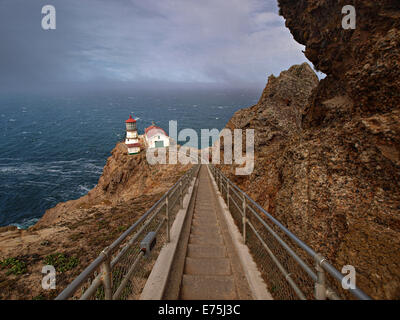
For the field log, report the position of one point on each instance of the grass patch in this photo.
(14, 266)
(122, 228)
(61, 262)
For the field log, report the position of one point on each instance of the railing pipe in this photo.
(320, 284)
(227, 194)
(167, 217)
(287, 275)
(87, 273)
(70, 290)
(325, 265)
(291, 252)
(107, 275)
(244, 219)
(126, 278)
(181, 193)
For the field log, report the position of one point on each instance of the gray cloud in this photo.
(229, 42)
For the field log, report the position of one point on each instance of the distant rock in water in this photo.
(327, 160)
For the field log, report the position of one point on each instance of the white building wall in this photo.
(131, 134)
(130, 141)
(133, 150)
(152, 141)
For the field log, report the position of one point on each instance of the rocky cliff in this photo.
(73, 233)
(327, 154)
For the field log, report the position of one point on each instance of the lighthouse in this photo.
(131, 140)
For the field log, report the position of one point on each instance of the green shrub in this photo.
(14, 266)
(61, 262)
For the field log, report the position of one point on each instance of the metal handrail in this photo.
(104, 259)
(322, 290)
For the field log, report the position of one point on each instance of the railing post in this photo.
(320, 284)
(107, 275)
(227, 193)
(181, 191)
(167, 216)
(244, 218)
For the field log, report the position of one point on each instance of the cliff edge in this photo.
(72, 234)
(327, 160)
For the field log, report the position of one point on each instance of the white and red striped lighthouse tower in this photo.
(131, 140)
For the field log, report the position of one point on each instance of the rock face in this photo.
(276, 118)
(82, 228)
(124, 178)
(330, 169)
(363, 62)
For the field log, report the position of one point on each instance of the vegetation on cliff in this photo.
(72, 234)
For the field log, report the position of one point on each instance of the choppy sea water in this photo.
(53, 148)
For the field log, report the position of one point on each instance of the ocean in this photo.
(53, 147)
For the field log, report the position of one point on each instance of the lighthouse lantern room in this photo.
(131, 140)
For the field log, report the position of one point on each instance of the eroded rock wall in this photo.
(82, 228)
(334, 178)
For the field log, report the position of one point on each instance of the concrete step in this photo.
(204, 222)
(205, 228)
(196, 239)
(205, 233)
(204, 202)
(206, 251)
(205, 217)
(196, 287)
(208, 266)
(204, 213)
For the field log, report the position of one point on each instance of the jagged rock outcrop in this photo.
(334, 179)
(82, 228)
(124, 178)
(276, 118)
(362, 63)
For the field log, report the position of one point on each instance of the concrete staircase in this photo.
(208, 270)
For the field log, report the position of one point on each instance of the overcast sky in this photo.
(102, 42)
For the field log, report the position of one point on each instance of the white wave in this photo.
(40, 183)
(26, 223)
(84, 189)
(23, 169)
